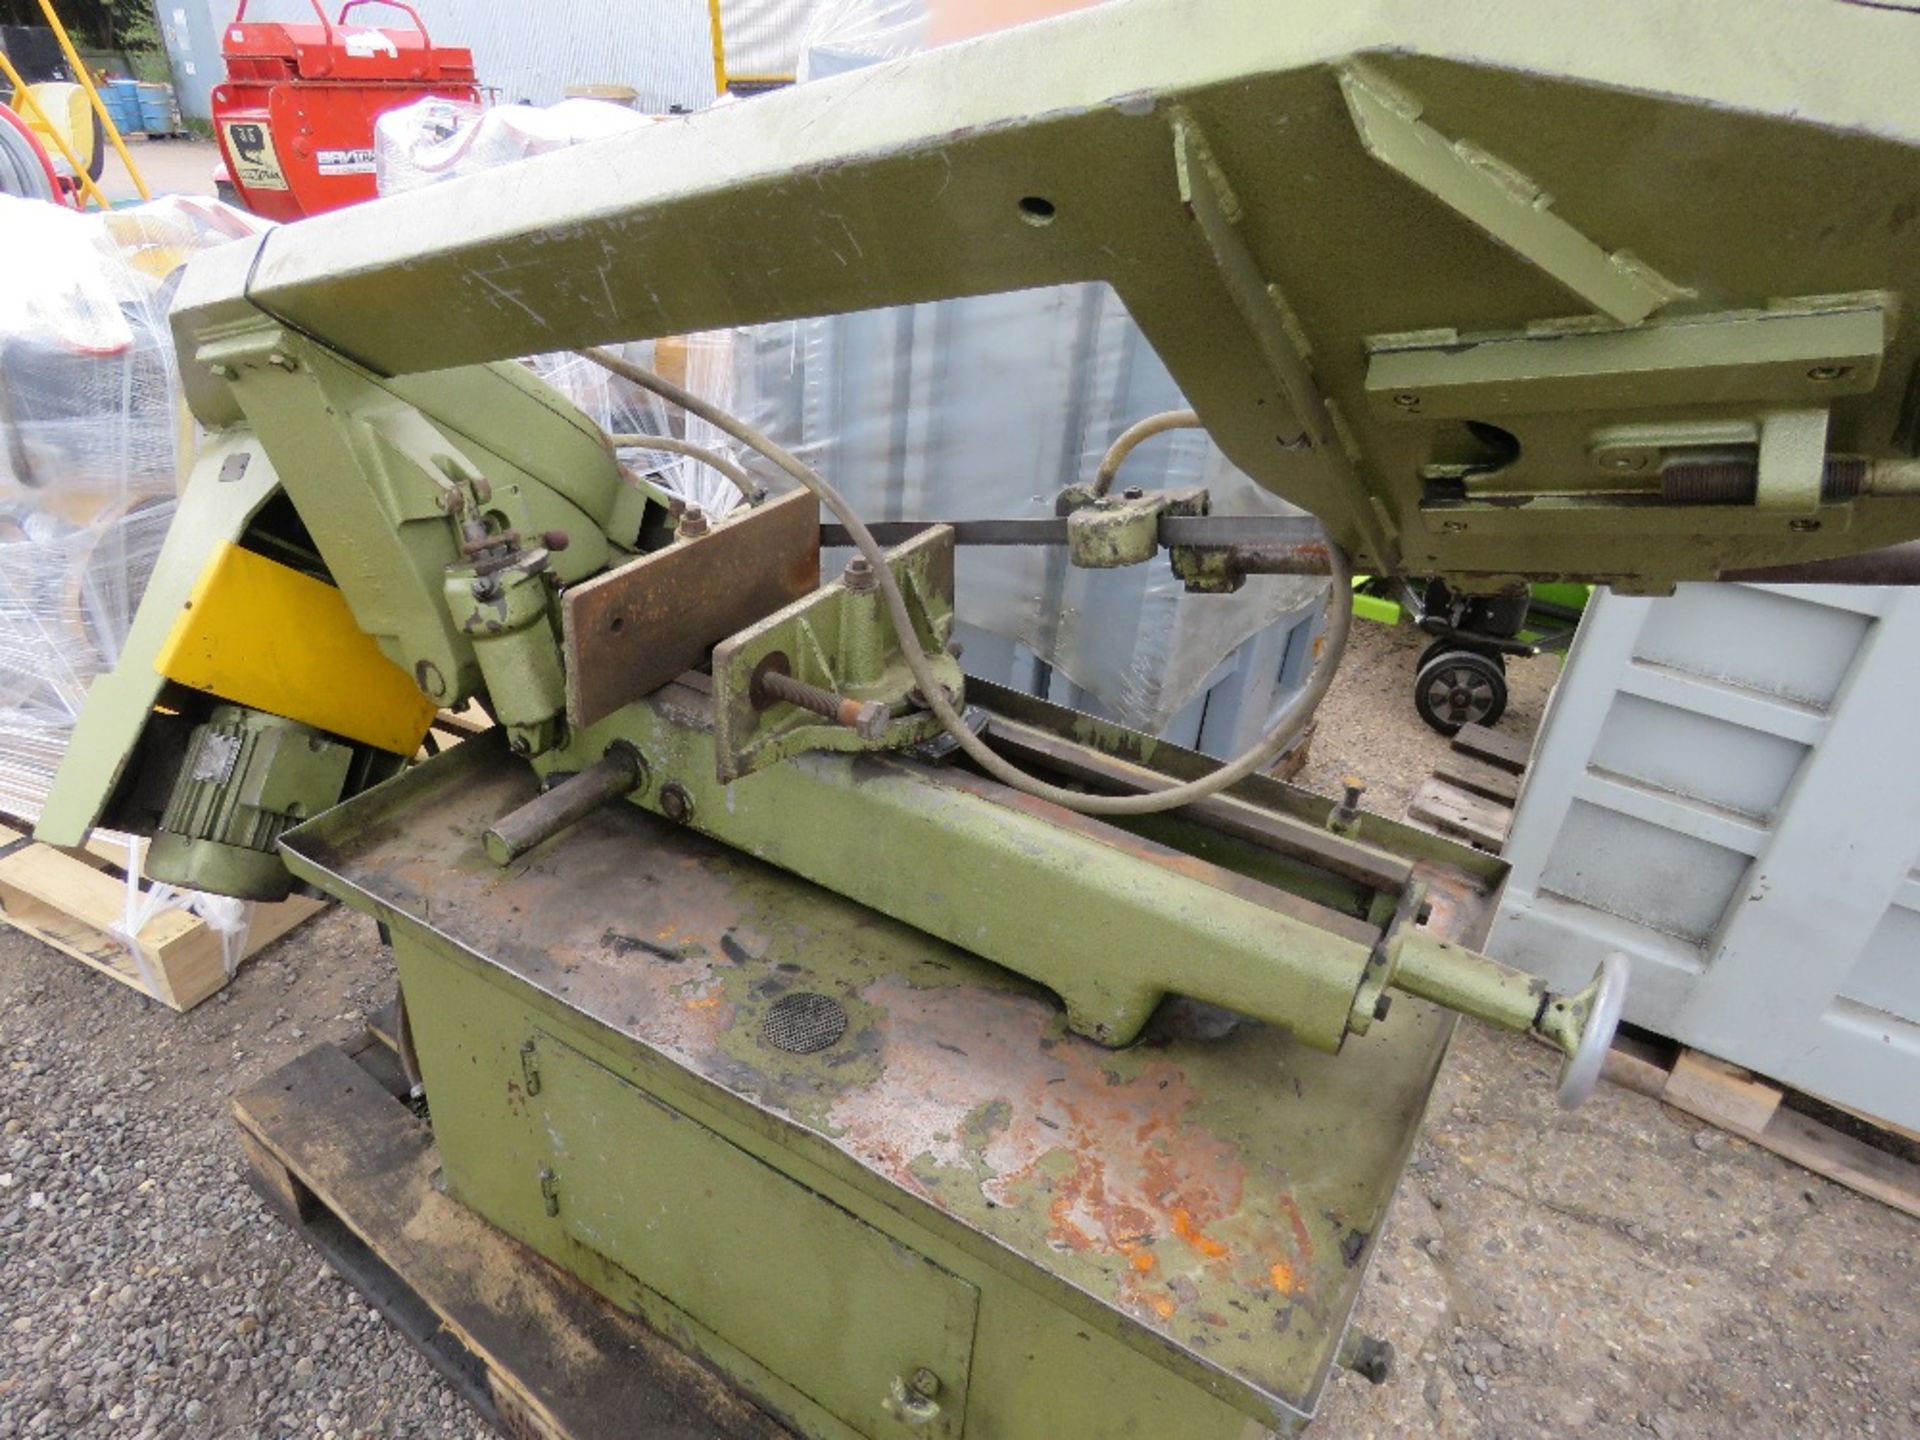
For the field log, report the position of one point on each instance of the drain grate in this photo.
(803, 1022)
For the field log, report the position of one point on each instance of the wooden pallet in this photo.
(74, 899)
(1749, 1105)
(351, 1168)
(1471, 794)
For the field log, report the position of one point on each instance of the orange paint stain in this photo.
(1142, 1261)
(1184, 1227)
(705, 1002)
(1282, 1276)
(1162, 1306)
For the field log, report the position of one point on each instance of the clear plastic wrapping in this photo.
(851, 34)
(623, 409)
(91, 434)
(435, 139)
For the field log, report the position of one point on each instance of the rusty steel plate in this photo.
(628, 632)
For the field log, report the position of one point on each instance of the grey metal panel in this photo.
(1641, 871)
(1772, 643)
(1727, 788)
(1886, 977)
(190, 31)
(1683, 751)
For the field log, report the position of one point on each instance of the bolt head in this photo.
(926, 1383)
(676, 804)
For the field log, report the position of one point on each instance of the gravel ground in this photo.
(1368, 727)
(146, 1291)
(1621, 1272)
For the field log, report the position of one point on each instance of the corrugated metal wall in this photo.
(533, 49)
(762, 37)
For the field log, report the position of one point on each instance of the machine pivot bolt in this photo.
(693, 524)
(859, 576)
(1344, 819)
(675, 803)
(925, 1383)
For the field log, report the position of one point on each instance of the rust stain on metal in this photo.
(1115, 1163)
(628, 632)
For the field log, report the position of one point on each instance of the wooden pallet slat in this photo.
(1479, 777)
(73, 901)
(1480, 822)
(1749, 1106)
(1509, 752)
(352, 1169)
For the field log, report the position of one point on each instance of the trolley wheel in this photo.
(1435, 648)
(1455, 687)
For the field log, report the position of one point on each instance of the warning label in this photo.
(251, 157)
(345, 162)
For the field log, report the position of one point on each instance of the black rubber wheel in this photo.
(1455, 687)
(1434, 648)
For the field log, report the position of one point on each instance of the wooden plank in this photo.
(1843, 1159)
(1725, 1094)
(1478, 777)
(1454, 812)
(1507, 751)
(1746, 1105)
(70, 900)
(1635, 1064)
(561, 1362)
(1881, 1122)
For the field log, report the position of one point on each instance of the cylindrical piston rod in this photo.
(619, 772)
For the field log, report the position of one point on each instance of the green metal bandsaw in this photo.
(933, 1062)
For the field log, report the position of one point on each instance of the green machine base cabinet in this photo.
(869, 1177)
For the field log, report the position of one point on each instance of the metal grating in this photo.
(804, 1022)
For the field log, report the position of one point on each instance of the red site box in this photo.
(295, 115)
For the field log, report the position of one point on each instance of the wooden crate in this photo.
(74, 899)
